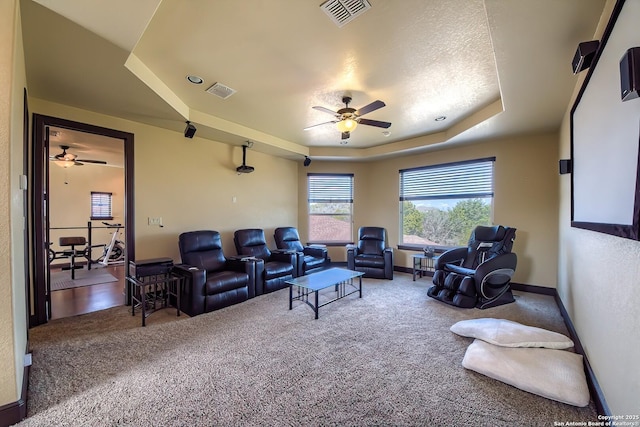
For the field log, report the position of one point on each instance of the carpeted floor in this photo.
(61, 279)
(387, 359)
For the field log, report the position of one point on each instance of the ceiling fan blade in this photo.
(346, 135)
(376, 123)
(98, 162)
(369, 108)
(326, 110)
(320, 124)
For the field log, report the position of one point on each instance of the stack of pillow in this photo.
(529, 358)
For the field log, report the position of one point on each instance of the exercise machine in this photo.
(114, 251)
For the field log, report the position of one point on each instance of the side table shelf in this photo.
(423, 264)
(153, 286)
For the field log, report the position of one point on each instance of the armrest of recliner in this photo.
(388, 263)
(387, 254)
(316, 252)
(455, 268)
(192, 297)
(245, 265)
(298, 263)
(352, 251)
(284, 255)
(452, 256)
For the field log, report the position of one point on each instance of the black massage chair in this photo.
(478, 275)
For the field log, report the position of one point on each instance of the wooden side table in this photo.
(423, 264)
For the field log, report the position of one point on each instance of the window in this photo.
(100, 205)
(330, 208)
(440, 205)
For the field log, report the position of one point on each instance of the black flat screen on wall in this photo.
(605, 137)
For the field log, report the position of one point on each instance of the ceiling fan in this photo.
(346, 119)
(66, 160)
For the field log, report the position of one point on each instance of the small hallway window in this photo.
(100, 205)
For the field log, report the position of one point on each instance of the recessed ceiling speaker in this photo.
(584, 55)
(565, 166)
(190, 130)
(630, 74)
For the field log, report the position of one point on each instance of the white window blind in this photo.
(324, 188)
(330, 201)
(101, 205)
(441, 204)
(468, 179)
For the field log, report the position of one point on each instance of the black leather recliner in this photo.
(309, 258)
(478, 275)
(279, 266)
(212, 281)
(371, 255)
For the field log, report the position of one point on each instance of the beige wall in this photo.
(526, 197)
(598, 285)
(13, 333)
(70, 202)
(192, 183)
(596, 278)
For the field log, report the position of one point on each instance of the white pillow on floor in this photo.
(554, 374)
(507, 333)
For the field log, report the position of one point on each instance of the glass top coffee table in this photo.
(340, 278)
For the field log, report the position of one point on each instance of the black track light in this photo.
(307, 161)
(190, 130)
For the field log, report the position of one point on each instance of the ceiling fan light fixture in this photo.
(346, 125)
(65, 163)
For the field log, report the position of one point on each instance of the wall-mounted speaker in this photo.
(584, 55)
(565, 166)
(630, 74)
(189, 131)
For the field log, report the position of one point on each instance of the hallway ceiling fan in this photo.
(66, 160)
(347, 118)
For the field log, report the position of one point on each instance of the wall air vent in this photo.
(342, 12)
(220, 90)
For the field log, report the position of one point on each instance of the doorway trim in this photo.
(40, 193)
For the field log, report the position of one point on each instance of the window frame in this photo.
(438, 195)
(333, 198)
(95, 209)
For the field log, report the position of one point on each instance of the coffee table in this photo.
(340, 278)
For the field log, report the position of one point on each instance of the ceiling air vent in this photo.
(344, 11)
(221, 90)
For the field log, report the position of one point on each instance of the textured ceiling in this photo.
(493, 68)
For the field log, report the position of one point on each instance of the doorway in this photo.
(86, 147)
